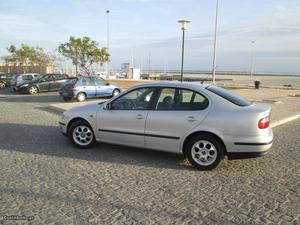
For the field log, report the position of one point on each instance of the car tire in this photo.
(81, 97)
(2, 85)
(115, 92)
(204, 151)
(67, 99)
(33, 90)
(81, 134)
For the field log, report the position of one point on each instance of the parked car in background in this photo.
(202, 122)
(6, 80)
(23, 78)
(48, 82)
(84, 87)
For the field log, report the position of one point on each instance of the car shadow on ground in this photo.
(45, 97)
(48, 140)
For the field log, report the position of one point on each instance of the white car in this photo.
(203, 122)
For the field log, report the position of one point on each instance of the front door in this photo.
(44, 83)
(102, 88)
(124, 122)
(176, 112)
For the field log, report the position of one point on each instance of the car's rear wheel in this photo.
(81, 134)
(2, 85)
(33, 90)
(204, 151)
(81, 97)
(115, 92)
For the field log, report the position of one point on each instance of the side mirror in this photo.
(108, 106)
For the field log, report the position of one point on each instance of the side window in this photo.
(100, 81)
(134, 100)
(48, 78)
(199, 102)
(166, 99)
(181, 99)
(27, 77)
(87, 81)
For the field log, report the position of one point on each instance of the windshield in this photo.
(233, 98)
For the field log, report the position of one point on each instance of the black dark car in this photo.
(6, 80)
(48, 82)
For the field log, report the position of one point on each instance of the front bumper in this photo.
(63, 128)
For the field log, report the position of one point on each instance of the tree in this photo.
(83, 52)
(27, 56)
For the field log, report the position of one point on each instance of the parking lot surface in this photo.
(47, 179)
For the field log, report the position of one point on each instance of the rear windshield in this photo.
(71, 81)
(233, 98)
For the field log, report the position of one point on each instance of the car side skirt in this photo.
(139, 134)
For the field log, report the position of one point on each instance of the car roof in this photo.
(174, 84)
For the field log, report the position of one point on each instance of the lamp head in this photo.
(183, 23)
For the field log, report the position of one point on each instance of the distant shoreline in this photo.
(225, 73)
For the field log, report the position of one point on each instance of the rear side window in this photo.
(180, 99)
(233, 98)
(87, 81)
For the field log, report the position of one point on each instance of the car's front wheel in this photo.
(33, 90)
(81, 134)
(204, 151)
(2, 85)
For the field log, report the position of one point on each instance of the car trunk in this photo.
(256, 118)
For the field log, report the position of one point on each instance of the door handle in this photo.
(139, 116)
(191, 119)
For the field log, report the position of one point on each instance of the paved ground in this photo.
(43, 176)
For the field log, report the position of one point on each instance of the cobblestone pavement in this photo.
(44, 176)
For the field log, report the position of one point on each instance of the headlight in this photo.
(24, 85)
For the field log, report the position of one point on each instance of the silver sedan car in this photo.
(202, 122)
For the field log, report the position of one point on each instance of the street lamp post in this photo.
(252, 60)
(183, 28)
(107, 45)
(215, 45)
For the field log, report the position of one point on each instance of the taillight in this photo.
(264, 122)
(74, 90)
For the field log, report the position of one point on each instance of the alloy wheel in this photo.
(82, 135)
(33, 90)
(204, 152)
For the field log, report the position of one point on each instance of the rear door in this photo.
(58, 81)
(177, 111)
(88, 87)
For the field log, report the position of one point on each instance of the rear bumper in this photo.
(251, 154)
(249, 147)
(67, 94)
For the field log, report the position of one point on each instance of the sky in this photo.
(143, 28)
